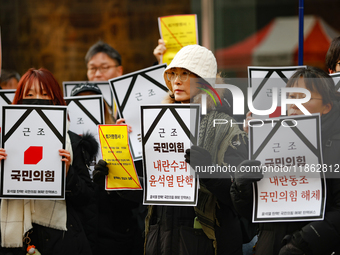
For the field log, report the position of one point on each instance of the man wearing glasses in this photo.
(112, 228)
(103, 62)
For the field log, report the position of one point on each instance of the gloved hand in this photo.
(197, 156)
(290, 249)
(248, 171)
(99, 173)
(291, 243)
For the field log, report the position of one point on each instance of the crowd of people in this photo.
(92, 220)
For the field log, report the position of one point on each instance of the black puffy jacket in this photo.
(79, 190)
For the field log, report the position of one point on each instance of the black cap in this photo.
(85, 87)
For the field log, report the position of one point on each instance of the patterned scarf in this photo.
(216, 140)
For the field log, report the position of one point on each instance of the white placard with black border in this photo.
(290, 152)
(104, 87)
(167, 131)
(336, 79)
(143, 87)
(32, 137)
(6, 98)
(262, 80)
(85, 113)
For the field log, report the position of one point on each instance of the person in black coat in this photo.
(108, 219)
(301, 237)
(66, 234)
(79, 190)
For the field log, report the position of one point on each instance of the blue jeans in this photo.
(247, 248)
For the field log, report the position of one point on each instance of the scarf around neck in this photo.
(216, 140)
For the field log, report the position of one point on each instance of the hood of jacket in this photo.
(87, 143)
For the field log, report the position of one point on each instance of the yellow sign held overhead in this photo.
(177, 31)
(116, 152)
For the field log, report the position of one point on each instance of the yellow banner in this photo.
(116, 152)
(177, 31)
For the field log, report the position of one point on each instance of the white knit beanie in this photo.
(196, 59)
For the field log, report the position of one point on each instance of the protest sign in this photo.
(116, 152)
(104, 87)
(177, 31)
(32, 136)
(6, 98)
(293, 187)
(336, 79)
(263, 80)
(85, 113)
(167, 131)
(132, 90)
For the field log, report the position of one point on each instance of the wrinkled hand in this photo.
(197, 156)
(100, 172)
(248, 171)
(159, 50)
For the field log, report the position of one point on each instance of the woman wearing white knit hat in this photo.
(169, 229)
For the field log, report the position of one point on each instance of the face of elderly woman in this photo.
(314, 105)
(180, 82)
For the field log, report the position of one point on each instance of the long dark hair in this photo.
(316, 80)
(333, 54)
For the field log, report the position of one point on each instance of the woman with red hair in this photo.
(62, 231)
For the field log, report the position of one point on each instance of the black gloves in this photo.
(248, 171)
(290, 249)
(292, 244)
(197, 156)
(99, 173)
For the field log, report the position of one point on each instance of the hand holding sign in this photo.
(66, 157)
(122, 122)
(100, 172)
(247, 172)
(3, 154)
(159, 51)
(116, 153)
(197, 156)
(293, 244)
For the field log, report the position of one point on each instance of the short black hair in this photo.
(333, 54)
(6, 75)
(100, 46)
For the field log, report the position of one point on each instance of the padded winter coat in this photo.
(318, 237)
